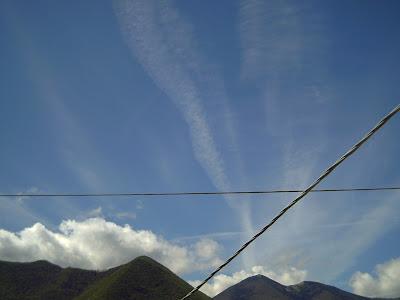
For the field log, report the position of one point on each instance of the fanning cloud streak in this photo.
(163, 44)
(284, 50)
(277, 39)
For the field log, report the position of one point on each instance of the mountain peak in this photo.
(142, 278)
(144, 258)
(260, 287)
(255, 287)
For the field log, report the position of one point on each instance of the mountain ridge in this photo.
(142, 278)
(260, 287)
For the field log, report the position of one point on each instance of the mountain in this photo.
(42, 280)
(260, 287)
(255, 288)
(142, 278)
(319, 291)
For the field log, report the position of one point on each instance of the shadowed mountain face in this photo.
(142, 278)
(260, 287)
(256, 288)
(43, 280)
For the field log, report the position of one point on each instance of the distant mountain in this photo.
(260, 287)
(256, 288)
(142, 278)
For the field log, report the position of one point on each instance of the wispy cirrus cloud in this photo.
(213, 235)
(17, 213)
(164, 45)
(277, 39)
(278, 36)
(44, 83)
(283, 54)
(284, 50)
(344, 231)
(18, 210)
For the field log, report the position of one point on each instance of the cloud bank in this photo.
(384, 283)
(286, 276)
(98, 244)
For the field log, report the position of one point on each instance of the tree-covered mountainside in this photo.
(142, 278)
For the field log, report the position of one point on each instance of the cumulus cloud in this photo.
(98, 244)
(206, 248)
(286, 276)
(384, 283)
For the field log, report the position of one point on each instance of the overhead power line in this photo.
(260, 192)
(298, 198)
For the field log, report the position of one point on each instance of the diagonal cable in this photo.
(297, 199)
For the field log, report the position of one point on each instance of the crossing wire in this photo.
(297, 199)
(261, 192)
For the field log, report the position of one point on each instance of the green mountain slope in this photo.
(142, 278)
(42, 280)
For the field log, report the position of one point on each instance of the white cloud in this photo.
(206, 248)
(162, 42)
(16, 211)
(286, 276)
(214, 235)
(164, 45)
(384, 283)
(98, 244)
(21, 198)
(125, 215)
(139, 204)
(278, 36)
(97, 212)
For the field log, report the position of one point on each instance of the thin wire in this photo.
(202, 193)
(297, 199)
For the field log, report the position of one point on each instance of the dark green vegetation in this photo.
(142, 278)
(260, 287)
(42, 280)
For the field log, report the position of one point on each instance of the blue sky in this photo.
(122, 96)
